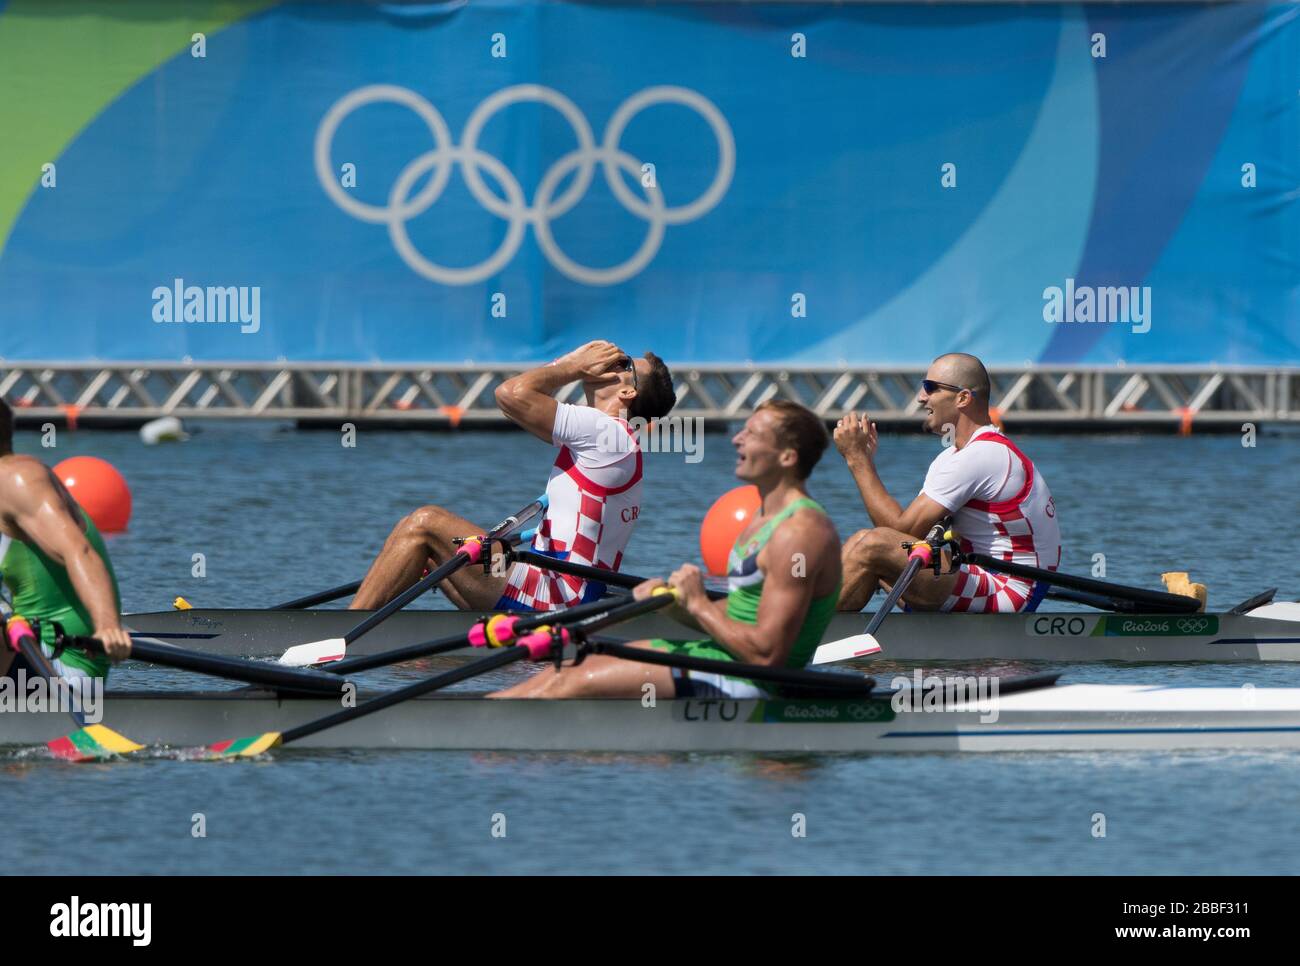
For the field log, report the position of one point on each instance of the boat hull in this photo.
(1270, 633)
(1062, 718)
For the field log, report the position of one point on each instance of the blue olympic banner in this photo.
(499, 181)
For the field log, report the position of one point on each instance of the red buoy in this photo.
(100, 490)
(724, 522)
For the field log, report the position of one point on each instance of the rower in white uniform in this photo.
(594, 489)
(999, 502)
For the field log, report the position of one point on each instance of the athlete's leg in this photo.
(875, 558)
(599, 676)
(419, 539)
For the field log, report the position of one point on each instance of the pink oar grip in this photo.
(539, 642)
(921, 550)
(497, 632)
(472, 548)
(16, 630)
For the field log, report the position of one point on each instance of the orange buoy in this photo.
(728, 516)
(99, 488)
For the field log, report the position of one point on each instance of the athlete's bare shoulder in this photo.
(25, 483)
(808, 532)
(19, 469)
(816, 524)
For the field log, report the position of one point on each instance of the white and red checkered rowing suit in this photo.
(1001, 507)
(595, 499)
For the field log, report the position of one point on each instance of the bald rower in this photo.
(1000, 504)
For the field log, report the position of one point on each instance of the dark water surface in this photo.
(277, 513)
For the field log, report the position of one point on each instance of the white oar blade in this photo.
(317, 652)
(859, 645)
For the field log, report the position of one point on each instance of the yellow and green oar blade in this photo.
(91, 743)
(244, 747)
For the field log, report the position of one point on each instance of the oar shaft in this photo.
(387, 700)
(587, 572)
(441, 645)
(250, 672)
(1096, 601)
(1154, 599)
(622, 612)
(600, 574)
(845, 685)
(437, 576)
(463, 556)
(348, 589)
(410, 652)
(324, 597)
(452, 642)
(914, 564)
(31, 650)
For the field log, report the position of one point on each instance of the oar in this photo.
(820, 683)
(534, 646)
(600, 574)
(498, 630)
(861, 645)
(610, 577)
(324, 597)
(90, 741)
(1154, 600)
(250, 672)
(471, 551)
(247, 747)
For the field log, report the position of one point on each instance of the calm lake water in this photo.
(278, 513)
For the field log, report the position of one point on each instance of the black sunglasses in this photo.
(930, 386)
(629, 365)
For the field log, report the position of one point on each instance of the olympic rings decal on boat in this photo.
(514, 208)
(1196, 626)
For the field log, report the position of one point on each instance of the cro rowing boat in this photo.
(1269, 632)
(1077, 717)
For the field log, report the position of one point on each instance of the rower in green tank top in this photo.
(54, 565)
(41, 589)
(745, 579)
(783, 572)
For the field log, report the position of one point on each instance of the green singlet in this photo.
(745, 584)
(42, 590)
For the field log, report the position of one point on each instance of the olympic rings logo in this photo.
(864, 712)
(514, 208)
(1193, 626)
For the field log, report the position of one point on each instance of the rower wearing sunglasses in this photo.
(1000, 504)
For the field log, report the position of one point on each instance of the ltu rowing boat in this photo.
(1062, 718)
(1269, 632)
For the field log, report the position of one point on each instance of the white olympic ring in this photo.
(514, 208)
(863, 712)
(1193, 626)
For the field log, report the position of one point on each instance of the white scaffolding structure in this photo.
(1050, 397)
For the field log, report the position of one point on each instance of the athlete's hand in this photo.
(856, 438)
(116, 641)
(689, 582)
(598, 361)
(644, 589)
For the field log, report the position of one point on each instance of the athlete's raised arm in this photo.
(528, 399)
